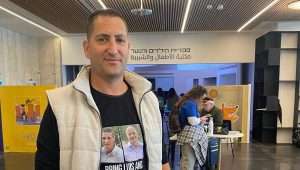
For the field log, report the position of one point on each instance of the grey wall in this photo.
(24, 58)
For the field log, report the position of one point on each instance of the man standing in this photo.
(209, 108)
(102, 95)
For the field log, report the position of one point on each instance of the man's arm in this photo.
(47, 154)
(218, 117)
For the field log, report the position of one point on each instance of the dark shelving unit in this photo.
(266, 85)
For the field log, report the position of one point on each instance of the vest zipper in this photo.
(100, 129)
(100, 125)
(142, 126)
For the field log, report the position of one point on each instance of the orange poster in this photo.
(234, 101)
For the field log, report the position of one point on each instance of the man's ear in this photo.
(129, 45)
(85, 46)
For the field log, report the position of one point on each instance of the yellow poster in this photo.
(21, 111)
(234, 101)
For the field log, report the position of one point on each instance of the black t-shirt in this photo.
(122, 145)
(47, 155)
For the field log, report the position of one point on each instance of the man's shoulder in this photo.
(60, 90)
(216, 109)
(203, 112)
(60, 95)
(151, 98)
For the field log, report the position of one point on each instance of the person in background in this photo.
(181, 95)
(209, 108)
(161, 99)
(192, 136)
(172, 98)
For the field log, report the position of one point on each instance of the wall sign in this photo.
(155, 55)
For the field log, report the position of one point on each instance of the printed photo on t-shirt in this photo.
(122, 148)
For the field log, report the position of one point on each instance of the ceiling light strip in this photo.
(186, 15)
(29, 21)
(294, 5)
(257, 15)
(102, 4)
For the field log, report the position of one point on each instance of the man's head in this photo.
(132, 135)
(208, 104)
(108, 139)
(107, 45)
(103, 13)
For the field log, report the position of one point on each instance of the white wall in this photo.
(183, 80)
(25, 57)
(72, 51)
(164, 82)
(287, 82)
(205, 47)
(288, 26)
(50, 61)
(229, 75)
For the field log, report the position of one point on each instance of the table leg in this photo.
(220, 154)
(232, 149)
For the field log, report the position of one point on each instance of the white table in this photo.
(231, 135)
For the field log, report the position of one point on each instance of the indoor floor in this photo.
(247, 157)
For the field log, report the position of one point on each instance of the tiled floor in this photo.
(258, 157)
(16, 161)
(248, 157)
(261, 157)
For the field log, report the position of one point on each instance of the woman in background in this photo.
(192, 136)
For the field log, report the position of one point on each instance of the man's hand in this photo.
(166, 166)
(203, 119)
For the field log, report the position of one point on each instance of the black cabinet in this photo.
(266, 108)
(266, 84)
(269, 40)
(265, 126)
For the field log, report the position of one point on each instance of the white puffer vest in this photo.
(79, 123)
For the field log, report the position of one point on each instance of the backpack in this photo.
(174, 121)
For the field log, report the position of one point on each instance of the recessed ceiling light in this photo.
(294, 5)
(187, 10)
(102, 4)
(209, 6)
(220, 7)
(141, 11)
